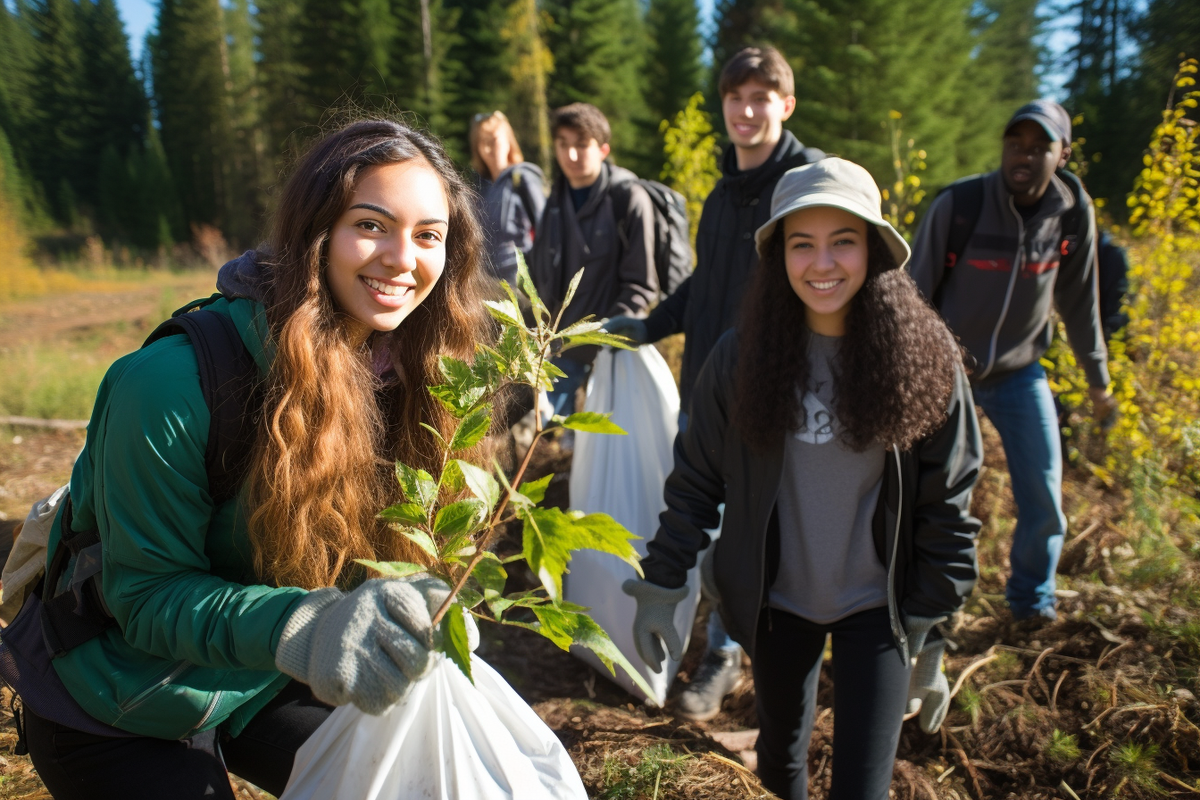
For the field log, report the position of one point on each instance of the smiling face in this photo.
(825, 253)
(494, 147)
(754, 115)
(1028, 161)
(579, 156)
(388, 248)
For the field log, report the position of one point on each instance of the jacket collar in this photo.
(788, 153)
(563, 190)
(1058, 199)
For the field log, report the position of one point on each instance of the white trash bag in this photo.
(448, 740)
(623, 476)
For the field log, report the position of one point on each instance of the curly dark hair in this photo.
(896, 365)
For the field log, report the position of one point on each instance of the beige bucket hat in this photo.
(832, 182)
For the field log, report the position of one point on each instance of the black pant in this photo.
(870, 690)
(82, 766)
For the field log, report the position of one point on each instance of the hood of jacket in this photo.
(244, 276)
(789, 152)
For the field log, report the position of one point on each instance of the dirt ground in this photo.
(1101, 703)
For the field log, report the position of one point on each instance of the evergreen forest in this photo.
(196, 134)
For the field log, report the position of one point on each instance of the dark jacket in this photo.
(619, 278)
(923, 529)
(706, 304)
(510, 210)
(997, 298)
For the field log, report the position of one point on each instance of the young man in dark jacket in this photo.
(996, 296)
(579, 230)
(757, 90)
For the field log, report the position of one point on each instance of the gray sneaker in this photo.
(718, 675)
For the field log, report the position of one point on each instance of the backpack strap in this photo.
(73, 608)
(229, 383)
(966, 199)
(621, 193)
(1074, 220)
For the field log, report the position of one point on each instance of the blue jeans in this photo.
(1022, 409)
(562, 398)
(718, 638)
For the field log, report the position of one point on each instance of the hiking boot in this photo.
(718, 675)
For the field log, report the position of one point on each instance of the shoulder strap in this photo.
(967, 203)
(229, 383)
(1074, 221)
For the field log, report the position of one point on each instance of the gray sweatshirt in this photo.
(997, 298)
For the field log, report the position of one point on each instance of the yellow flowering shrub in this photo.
(690, 153)
(902, 198)
(1155, 362)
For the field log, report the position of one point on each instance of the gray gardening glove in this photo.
(629, 327)
(366, 647)
(928, 689)
(655, 618)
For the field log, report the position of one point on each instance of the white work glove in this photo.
(928, 689)
(633, 329)
(367, 647)
(655, 618)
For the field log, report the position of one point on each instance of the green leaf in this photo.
(515, 600)
(568, 627)
(575, 279)
(526, 283)
(550, 535)
(472, 428)
(454, 639)
(458, 518)
(436, 433)
(491, 577)
(463, 387)
(601, 338)
(452, 479)
(421, 539)
(505, 311)
(590, 422)
(409, 515)
(480, 482)
(585, 325)
(469, 597)
(536, 490)
(418, 485)
(391, 569)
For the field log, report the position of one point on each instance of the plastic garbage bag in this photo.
(448, 740)
(623, 476)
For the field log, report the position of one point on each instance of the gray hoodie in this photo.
(997, 298)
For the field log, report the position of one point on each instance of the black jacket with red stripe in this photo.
(997, 297)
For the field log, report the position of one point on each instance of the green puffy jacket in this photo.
(196, 635)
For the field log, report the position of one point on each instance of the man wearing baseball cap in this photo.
(994, 253)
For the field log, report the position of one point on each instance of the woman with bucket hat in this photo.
(837, 426)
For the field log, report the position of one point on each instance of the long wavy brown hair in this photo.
(895, 368)
(321, 468)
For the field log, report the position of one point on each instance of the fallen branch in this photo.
(1054, 696)
(1171, 779)
(962, 754)
(1033, 673)
(54, 424)
(966, 673)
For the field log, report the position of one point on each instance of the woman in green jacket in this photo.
(238, 624)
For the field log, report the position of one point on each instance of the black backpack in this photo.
(73, 609)
(672, 245)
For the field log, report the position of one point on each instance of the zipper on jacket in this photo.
(208, 712)
(1012, 282)
(893, 610)
(142, 696)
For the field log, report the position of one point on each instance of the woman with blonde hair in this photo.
(239, 621)
(511, 190)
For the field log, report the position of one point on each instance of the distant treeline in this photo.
(198, 132)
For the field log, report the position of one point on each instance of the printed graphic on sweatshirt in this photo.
(817, 427)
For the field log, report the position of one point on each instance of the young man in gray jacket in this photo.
(995, 293)
(580, 230)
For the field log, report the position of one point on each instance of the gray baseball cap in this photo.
(1053, 118)
(837, 183)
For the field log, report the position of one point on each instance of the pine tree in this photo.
(598, 48)
(116, 111)
(189, 93)
(18, 113)
(347, 47)
(282, 78)
(674, 71)
(479, 59)
(62, 154)
(424, 70)
(245, 162)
